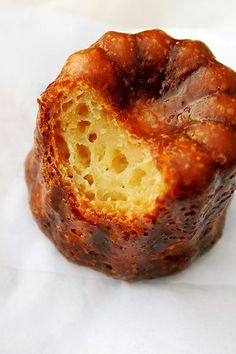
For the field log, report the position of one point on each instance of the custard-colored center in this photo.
(108, 166)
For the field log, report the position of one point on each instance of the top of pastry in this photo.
(163, 85)
(171, 93)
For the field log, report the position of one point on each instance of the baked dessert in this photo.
(134, 160)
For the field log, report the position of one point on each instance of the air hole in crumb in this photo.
(89, 178)
(136, 179)
(92, 137)
(62, 147)
(49, 159)
(90, 195)
(82, 125)
(65, 106)
(119, 162)
(82, 109)
(84, 154)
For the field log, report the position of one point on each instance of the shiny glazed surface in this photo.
(175, 96)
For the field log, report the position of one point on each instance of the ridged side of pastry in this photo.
(134, 159)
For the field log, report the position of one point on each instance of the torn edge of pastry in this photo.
(107, 166)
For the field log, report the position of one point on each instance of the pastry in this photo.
(134, 162)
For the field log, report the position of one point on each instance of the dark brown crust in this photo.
(193, 102)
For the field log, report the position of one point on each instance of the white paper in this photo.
(48, 305)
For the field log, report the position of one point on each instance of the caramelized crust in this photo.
(134, 160)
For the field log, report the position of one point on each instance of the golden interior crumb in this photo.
(103, 161)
